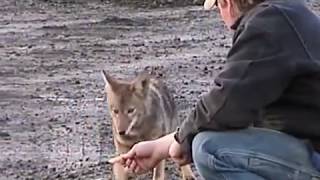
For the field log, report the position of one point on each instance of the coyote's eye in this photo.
(131, 110)
(115, 111)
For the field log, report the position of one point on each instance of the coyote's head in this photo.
(126, 102)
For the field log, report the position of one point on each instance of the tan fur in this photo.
(141, 109)
(187, 173)
(158, 172)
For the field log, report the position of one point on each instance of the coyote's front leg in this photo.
(158, 171)
(118, 170)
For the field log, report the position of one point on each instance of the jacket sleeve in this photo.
(256, 73)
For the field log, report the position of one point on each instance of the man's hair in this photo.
(246, 5)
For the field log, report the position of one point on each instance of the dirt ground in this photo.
(54, 122)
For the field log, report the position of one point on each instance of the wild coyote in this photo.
(141, 109)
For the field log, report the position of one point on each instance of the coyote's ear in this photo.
(108, 80)
(141, 83)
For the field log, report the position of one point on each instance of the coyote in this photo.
(141, 109)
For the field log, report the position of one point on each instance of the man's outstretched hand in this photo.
(144, 156)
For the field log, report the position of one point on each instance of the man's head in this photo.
(231, 10)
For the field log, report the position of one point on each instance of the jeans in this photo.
(252, 154)
(316, 160)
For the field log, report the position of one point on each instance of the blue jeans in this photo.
(316, 160)
(252, 154)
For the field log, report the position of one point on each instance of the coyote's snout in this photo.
(141, 109)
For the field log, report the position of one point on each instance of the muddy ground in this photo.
(54, 122)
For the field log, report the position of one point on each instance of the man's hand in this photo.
(144, 156)
(177, 155)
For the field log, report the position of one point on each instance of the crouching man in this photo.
(261, 119)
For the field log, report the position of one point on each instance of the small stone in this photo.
(73, 176)
(69, 129)
(53, 120)
(4, 134)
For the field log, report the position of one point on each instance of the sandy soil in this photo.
(54, 122)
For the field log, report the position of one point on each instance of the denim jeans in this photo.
(316, 160)
(252, 154)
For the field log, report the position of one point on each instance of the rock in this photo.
(5, 135)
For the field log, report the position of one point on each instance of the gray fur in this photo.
(154, 115)
(166, 111)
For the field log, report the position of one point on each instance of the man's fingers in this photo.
(128, 162)
(122, 158)
(131, 154)
(137, 170)
(133, 166)
(118, 159)
(127, 170)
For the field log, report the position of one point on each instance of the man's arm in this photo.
(256, 73)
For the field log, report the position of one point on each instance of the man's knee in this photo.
(197, 148)
(206, 144)
(201, 147)
(207, 141)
